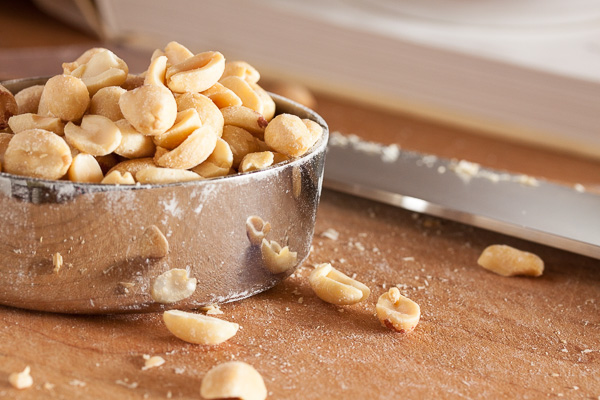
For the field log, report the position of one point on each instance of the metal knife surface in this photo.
(559, 216)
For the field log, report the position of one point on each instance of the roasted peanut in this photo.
(315, 130)
(37, 153)
(268, 103)
(156, 72)
(256, 161)
(241, 143)
(103, 69)
(106, 103)
(209, 113)
(153, 243)
(24, 122)
(508, 261)
(241, 69)
(198, 328)
(82, 59)
(8, 106)
(177, 53)
(85, 168)
(218, 163)
(335, 287)
(195, 149)
(245, 92)
(276, 258)
(28, 99)
(222, 96)
(133, 144)
(187, 121)
(245, 118)
(233, 380)
(173, 286)
(65, 97)
(196, 73)
(116, 178)
(97, 135)
(150, 109)
(165, 175)
(287, 134)
(397, 312)
(256, 229)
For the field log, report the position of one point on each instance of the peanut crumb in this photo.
(212, 309)
(331, 234)
(49, 386)
(77, 382)
(21, 380)
(151, 362)
(57, 261)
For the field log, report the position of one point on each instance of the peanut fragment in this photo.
(153, 243)
(150, 109)
(152, 362)
(177, 53)
(397, 312)
(116, 178)
(158, 175)
(65, 97)
(172, 286)
(233, 380)
(8, 106)
(245, 118)
(507, 261)
(276, 258)
(85, 168)
(187, 121)
(156, 72)
(21, 380)
(222, 96)
(198, 328)
(335, 287)
(287, 134)
(209, 113)
(256, 229)
(196, 73)
(101, 70)
(195, 149)
(256, 161)
(218, 163)
(24, 122)
(97, 135)
(57, 262)
(37, 153)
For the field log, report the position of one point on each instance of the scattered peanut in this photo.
(233, 379)
(335, 287)
(508, 261)
(256, 229)
(276, 258)
(21, 380)
(172, 286)
(152, 362)
(198, 328)
(397, 312)
(57, 262)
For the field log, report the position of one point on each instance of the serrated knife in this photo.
(555, 215)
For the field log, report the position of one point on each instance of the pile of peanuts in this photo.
(187, 117)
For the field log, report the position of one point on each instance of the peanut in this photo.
(245, 118)
(187, 121)
(222, 96)
(195, 149)
(28, 99)
(218, 163)
(8, 106)
(165, 175)
(241, 143)
(85, 168)
(97, 135)
(276, 258)
(233, 380)
(65, 97)
(24, 122)
(209, 113)
(173, 286)
(101, 70)
(133, 144)
(198, 328)
(508, 261)
(335, 287)
(256, 161)
(106, 103)
(116, 178)
(196, 73)
(397, 312)
(150, 109)
(256, 229)
(287, 134)
(241, 69)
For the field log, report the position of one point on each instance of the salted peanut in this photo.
(173, 286)
(133, 166)
(28, 99)
(397, 312)
(106, 103)
(151, 109)
(195, 149)
(245, 92)
(85, 168)
(37, 153)
(152, 362)
(8, 106)
(65, 97)
(276, 258)
(117, 178)
(256, 161)
(222, 96)
(245, 118)
(187, 121)
(198, 328)
(156, 72)
(57, 262)
(133, 144)
(97, 135)
(133, 81)
(82, 59)
(208, 112)
(335, 287)
(102, 69)
(4, 141)
(196, 73)
(287, 134)
(160, 151)
(241, 69)
(268, 103)
(153, 243)
(157, 175)
(241, 143)
(218, 163)
(233, 380)
(21, 380)
(507, 261)
(295, 92)
(256, 229)
(24, 122)
(177, 53)
(315, 130)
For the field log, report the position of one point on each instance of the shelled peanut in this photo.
(187, 117)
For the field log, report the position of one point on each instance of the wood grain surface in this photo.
(480, 336)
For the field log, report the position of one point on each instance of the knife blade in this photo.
(517, 205)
